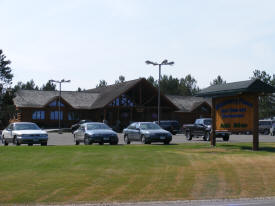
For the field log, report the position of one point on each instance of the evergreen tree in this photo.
(102, 83)
(218, 80)
(266, 103)
(49, 86)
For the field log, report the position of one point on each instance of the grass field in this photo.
(68, 174)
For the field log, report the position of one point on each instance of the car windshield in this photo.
(26, 127)
(147, 126)
(208, 122)
(97, 126)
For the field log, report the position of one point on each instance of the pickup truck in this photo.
(202, 128)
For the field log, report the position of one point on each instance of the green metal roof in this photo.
(250, 86)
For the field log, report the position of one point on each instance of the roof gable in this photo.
(249, 86)
(188, 103)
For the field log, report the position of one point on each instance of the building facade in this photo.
(119, 104)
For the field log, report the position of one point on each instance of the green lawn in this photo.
(69, 174)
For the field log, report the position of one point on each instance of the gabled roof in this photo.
(90, 99)
(39, 99)
(109, 93)
(250, 86)
(188, 103)
(101, 97)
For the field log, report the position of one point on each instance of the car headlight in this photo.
(44, 135)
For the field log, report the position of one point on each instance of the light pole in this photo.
(164, 62)
(59, 82)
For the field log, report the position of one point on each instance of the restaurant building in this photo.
(119, 104)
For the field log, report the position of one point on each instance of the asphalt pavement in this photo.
(67, 139)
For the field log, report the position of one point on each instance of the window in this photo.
(73, 115)
(123, 100)
(55, 115)
(55, 103)
(132, 126)
(38, 115)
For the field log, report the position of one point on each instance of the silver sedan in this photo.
(95, 132)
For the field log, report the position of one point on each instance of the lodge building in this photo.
(119, 104)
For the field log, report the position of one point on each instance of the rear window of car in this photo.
(264, 122)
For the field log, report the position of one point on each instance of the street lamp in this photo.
(164, 62)
(59, 82)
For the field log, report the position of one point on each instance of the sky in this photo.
(89, 40)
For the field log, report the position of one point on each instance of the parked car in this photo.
(95, 132)
(172, 126)
(202, 128)
(272, 129)
(265, 126)
(146, 132)
(24, 133)
(76, 126)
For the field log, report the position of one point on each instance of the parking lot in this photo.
(67, 139)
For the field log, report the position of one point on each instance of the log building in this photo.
(119, 104)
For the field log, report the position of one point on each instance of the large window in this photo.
(73, 115)
(38, 115)
(55, 103)
(55, 115)
(123, 100)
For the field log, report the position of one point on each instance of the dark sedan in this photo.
(95, 132)
(146, 132)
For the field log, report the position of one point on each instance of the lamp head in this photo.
(150, 62)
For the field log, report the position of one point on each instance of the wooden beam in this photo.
(256, 124)
(149, 100)
(140, 94)
(213, 115)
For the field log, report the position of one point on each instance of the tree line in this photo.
(186, 86)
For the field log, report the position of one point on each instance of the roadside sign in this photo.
(235, 113)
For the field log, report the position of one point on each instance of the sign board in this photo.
(140, 109)
(234, 113)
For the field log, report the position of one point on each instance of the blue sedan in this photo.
(95, 132)
(146, 132)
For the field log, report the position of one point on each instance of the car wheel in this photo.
(126, 140)
(143, 140)
(266, 132)
(114, 143)
(166, 142)
(44, 143)
(4, 141)
(86, 141)
(76, 141)
(206, 136)
(188, 135)
(15, 141)
(226, 138)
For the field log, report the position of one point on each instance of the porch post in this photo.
(213, 115)
(255, 124)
